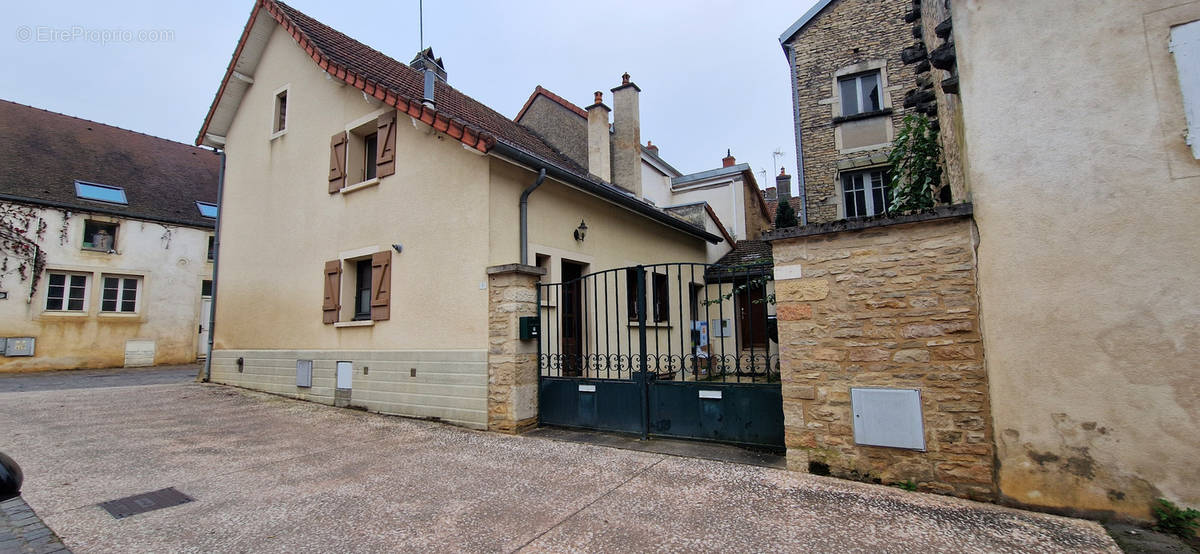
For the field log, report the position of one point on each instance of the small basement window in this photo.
(66, 292)
(100, 193)
(120, 294)
(207, 210)
(100, 236)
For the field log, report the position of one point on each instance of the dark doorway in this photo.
(572, 319)
(752, 316)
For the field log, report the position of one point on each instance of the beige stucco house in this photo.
(365, 201)
(106, 239)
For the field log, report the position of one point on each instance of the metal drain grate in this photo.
(145, 502)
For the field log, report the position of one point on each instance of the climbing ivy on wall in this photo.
(21, 228)
(916, 161)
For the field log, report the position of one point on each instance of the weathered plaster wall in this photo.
(559, 126)
(846, 33)
(1086, 200)
(893, 307)
(172, 261)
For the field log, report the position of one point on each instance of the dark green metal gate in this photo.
(682, 350)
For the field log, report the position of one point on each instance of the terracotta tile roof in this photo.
(746, 253)
(553, 98)
(42, 153)
(397, 84)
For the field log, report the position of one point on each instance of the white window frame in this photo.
(286, 91)
(869, 197)
(137, 301)
(87, 292)
(858, 96)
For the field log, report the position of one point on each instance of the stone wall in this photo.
(846, 33)
(512, 363)
(888, 303)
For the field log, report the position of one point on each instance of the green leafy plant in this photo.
(907, 484)
(916, 165)
(1174, 519)
(785, 216)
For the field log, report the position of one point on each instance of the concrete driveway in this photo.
(275, 475)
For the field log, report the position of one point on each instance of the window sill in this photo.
(120, 315)
(98, 250)
(864, 115)
(73, 313)
(359, 186)
(363, 323)
(277, 134)
(660, 324)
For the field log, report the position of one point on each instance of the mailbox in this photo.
(530, 327)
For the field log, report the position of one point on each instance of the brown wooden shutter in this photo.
(381, 285)
(333, 290)
(385, 150)
(337, 162)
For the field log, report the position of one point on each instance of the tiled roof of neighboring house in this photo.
(773, 205)
(456, 114)
(751, 257)
(539, 91)
(684, 210)
(43, 153)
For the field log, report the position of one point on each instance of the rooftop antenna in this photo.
(421, 23)
(778, 153)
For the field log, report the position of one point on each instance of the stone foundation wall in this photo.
(892, 304)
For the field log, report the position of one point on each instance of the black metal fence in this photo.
(675, 322)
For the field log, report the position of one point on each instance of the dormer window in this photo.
(207, 210)
(100, 193)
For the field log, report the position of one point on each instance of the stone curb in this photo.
(21, 530)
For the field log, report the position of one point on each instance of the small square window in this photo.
(66, 292)
(100, 236)
(212, 247)
(860, 93)
(206, 287)
(100, 193)
(207, 210)
(120, 294)
(280, 112)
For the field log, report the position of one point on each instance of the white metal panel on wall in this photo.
(888, 417)
(345, 372)
(1185, 44)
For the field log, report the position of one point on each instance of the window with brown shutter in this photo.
(385, 153)
(333, 290)
(381, 285)
(337, 162)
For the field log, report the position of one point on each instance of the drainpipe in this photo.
(524, 217)
(212, 306)
(787, 49)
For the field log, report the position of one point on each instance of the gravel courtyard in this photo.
(272, 475)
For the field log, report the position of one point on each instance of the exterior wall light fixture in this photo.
(581, 231)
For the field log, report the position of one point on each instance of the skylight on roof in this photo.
(207, 210)
(102, 193)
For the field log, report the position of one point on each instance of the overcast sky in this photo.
(712, 73)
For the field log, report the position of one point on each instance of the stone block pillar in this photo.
(512, 362)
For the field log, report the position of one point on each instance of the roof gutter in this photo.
(790, 53)
(602, 191)
(525, 215)
(95, 210)
(212, 304)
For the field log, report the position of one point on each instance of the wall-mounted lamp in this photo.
(581, 231)
(398, 248)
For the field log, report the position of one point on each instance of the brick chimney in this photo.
(728, 160)
(627, 138)
(783, 186)
(599, 145)
(769, 194)
(651, 147)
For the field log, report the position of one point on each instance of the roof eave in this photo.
(796, 27)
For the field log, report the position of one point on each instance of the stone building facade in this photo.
(839, 45)
(885, 304)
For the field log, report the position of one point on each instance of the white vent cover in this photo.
(304, 373)
(888, 417)
(139, 353)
